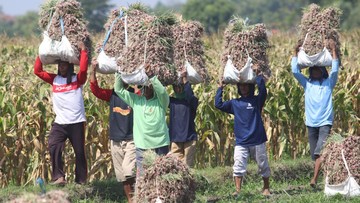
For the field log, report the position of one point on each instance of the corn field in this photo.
(26, 111)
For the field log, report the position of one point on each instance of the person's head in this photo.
(66, 69)
(178, 90)
(148, 91)
(246, 89)
(318, 73)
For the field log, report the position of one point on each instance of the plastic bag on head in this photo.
(51, 51)
(247, 75)
(231, 74)
(138, 77)
(323, 58)
(107, 65)
(192, 76)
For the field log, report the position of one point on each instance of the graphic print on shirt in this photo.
(65, 87)
(249, 106)
(121, 111)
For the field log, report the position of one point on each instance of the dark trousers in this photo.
(58, 135)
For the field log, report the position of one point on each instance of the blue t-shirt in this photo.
(318, 95)
(248, 126)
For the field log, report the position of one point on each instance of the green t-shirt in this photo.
(150, 130)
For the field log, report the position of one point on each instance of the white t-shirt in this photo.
(68, 101)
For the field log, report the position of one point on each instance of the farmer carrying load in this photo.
(249, 130)
(150, 130)
(182, 121)
(121, 133)
(68, 105)
(318, 103)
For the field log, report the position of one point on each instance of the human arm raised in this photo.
(103, 94)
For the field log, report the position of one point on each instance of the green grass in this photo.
(289, 183)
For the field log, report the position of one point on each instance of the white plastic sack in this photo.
(247, 74)
(231, 74)
(50, 51)
(323, 58)
(138, 77)
(192, 76)
(107, 65)
(348, 188)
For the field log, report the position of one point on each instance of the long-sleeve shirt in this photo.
(121, 115)
(182, 116)
(68, 102)
(150, 130)
(318, 95)
(248, 126)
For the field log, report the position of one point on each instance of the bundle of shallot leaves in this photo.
(74, 22)
(319, 25)
(167, 178)
(242, 41)
(188, 45)
(334, 165)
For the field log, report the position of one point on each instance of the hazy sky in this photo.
(20, 7)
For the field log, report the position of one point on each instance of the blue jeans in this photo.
(317, 139)
(139, 157)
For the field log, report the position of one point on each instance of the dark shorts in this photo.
(317, 139)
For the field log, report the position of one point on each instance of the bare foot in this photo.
(60, 181)
(266, 192)
(313, 183)
(235, 194)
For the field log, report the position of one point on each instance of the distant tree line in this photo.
(213, 14)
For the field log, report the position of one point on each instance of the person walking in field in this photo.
(182, 121)
(150, 130)
(68, 105)
(121, 133)
(249, 130)
(318, 104)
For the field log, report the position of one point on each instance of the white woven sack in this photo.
(323, 58)
(192, 76)
(247, 75)
(231, 74)
(348, 188)
(51, 51)
(107, 65)
(138, 77)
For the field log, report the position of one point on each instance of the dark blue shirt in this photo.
(248, 126)
(182, 116)
(121, 119)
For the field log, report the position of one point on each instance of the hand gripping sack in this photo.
(322, 58)
(51, 51)
(348, 188)
(231, 74)
(107, 64)
(192, 76)
(247, 75)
